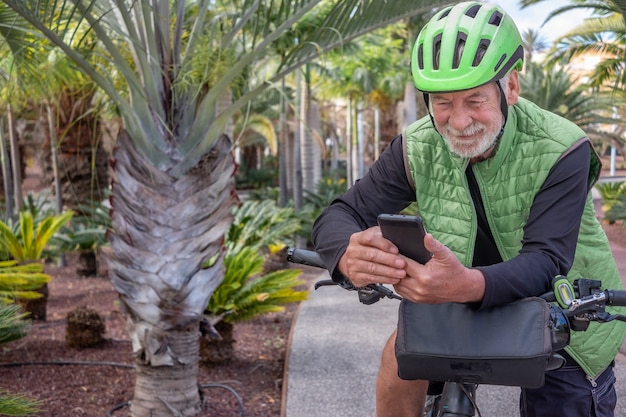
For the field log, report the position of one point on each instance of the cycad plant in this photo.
(85, 234)
(245, 293)
(613, 201)
(27, 243)
(21, 281)
(259, 224)
(13, 327)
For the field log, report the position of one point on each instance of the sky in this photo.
(532, 17)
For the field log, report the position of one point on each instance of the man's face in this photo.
(470, 120)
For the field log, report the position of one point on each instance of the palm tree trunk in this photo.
(409, 115)
(16, 162)
(164, 230)
(282, 151)
(177, 385)
(7, 176)
(311, 148)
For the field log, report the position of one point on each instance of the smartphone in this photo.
(407, 233)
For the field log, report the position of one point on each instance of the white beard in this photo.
(459, 143)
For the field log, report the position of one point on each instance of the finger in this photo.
(373, 237)
(381, 275)
(367, 271)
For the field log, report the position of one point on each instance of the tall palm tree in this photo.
(173, 185)
(73, 152)
(63, 100)
(559, 93)
(533, 42)
(371, 73)
(18, 59)
(604, 34)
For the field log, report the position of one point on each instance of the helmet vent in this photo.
(420, 56)
(473, 11)
(495, 19)
(458, 50)
(436, 51)
(480, 52)
(445, 13)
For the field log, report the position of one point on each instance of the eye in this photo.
(441, 104)
(476, 103)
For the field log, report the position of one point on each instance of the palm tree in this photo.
(603, 35)
(371, 73)
(533, 42)
(173, 170)
(19, 58)
(48, 85)
(558, 92)
(73, 153)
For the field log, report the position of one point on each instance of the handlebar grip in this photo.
(305, 257)
(616, 298)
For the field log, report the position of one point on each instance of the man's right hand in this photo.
(372, 259)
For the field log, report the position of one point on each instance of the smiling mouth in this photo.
(470, 132)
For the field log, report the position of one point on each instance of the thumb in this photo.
(438, 249)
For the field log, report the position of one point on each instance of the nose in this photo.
(459, 119)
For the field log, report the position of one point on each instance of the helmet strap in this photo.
(427, 101)
(504, 105)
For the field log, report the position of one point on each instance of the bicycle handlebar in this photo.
(367, 295)
(616, 298)
(590, 298)
(304, 257)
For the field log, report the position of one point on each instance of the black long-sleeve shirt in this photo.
(550, 235)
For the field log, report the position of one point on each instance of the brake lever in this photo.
(384, 291)
(374, 292)
(368, 295)
(324, 283)
(605, 317)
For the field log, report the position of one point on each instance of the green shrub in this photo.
(26, 241)
(613, 196)
(246, 293)
(261, 224)
(86, 231)
(13, 327)
(20, 281)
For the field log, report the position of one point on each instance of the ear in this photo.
(512, 88)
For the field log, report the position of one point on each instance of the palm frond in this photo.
(172, 119)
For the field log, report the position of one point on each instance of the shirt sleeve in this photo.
(385, 188)
(550, 235)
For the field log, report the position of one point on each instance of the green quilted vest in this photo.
(532, 143)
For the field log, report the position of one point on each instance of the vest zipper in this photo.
(592, 381)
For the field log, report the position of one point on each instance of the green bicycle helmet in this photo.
(466, 46)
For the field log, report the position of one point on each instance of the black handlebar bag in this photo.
(504, 345)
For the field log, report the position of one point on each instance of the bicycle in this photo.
(572, 308)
